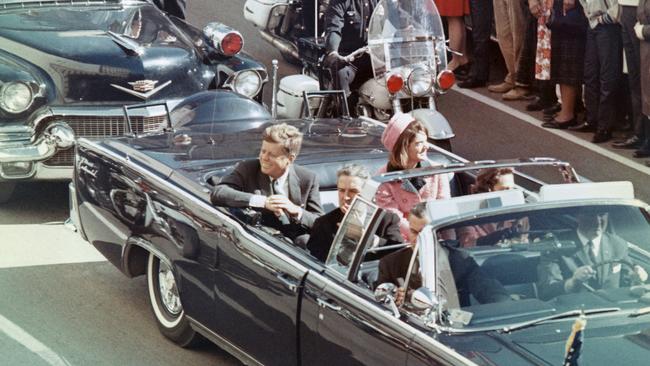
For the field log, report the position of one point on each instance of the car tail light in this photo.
(394, 83)
(231, 44)
(223, 38)
(446, 79)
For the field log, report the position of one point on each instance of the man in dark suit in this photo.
(350, 180)
(595, 264)
(287, 193)
(468, 278)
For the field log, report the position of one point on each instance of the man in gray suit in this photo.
(287, 193)
(595, 264)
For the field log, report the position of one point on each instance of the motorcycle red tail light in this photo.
(231, 44)
(446, 79)
(394, 83)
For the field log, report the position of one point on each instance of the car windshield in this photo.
(406, 32)
(525, 264)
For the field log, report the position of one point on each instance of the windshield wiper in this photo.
(640, 311)
(568, 314)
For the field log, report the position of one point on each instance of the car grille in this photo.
(100, 127)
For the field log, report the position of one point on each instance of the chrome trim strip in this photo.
(242, 356)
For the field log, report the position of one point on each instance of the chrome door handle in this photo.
(288, 283)
(325, 304)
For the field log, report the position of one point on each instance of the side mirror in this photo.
(385, 294)
(384, 291)
(423, 299)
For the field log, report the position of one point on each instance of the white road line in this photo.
(34, 345)
(565, 135)
(35, 245)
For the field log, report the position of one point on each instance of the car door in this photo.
(257, 287)
(341, 322)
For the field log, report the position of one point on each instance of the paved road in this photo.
(62, 304)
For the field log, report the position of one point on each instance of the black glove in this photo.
(333, 60)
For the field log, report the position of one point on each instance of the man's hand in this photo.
(399, 296)
(580, 275)
(279, 203)
(638, 30)
(535, 9)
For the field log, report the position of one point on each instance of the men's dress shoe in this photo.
(641, 154)
(632, 142)
(601, 136)
(516, 93)
(583, 127)
(471, 83)
(560, 125)
(504, 87)
(552, 109)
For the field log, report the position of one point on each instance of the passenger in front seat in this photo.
(468, 277)
(350, 180)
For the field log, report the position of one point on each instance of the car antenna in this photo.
(274, 100)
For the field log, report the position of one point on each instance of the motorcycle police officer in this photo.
(346, 30)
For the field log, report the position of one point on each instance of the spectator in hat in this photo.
(406, 140)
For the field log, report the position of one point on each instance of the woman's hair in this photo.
(288, 136)
(399, 155)
(488, 178)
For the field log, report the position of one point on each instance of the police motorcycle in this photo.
(408, 53)
(283, 22)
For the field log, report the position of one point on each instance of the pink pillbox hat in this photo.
(395, 127)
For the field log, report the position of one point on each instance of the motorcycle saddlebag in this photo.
(262, 14)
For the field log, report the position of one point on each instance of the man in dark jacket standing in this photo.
(346, 30)
(350, 181)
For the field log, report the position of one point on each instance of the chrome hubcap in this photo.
(168, 290)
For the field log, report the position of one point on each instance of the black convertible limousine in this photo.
(215, 273)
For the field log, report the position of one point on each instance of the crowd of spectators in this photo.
(591, 54)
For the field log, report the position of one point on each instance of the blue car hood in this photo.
(73, 46)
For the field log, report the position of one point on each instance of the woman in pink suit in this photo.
(406, 139)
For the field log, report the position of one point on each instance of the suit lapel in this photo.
(294, 186)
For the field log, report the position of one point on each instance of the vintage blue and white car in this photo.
(68, 67)
(215, 272)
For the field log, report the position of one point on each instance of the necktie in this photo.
(277, 188)
(592, 254)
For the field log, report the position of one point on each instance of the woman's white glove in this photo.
(638, 29)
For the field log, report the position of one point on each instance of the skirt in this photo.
(567, 57)
(452, 8)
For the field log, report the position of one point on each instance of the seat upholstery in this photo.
(516, 272)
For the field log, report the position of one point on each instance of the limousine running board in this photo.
(224, 344)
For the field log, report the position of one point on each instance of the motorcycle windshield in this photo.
(406, 33)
